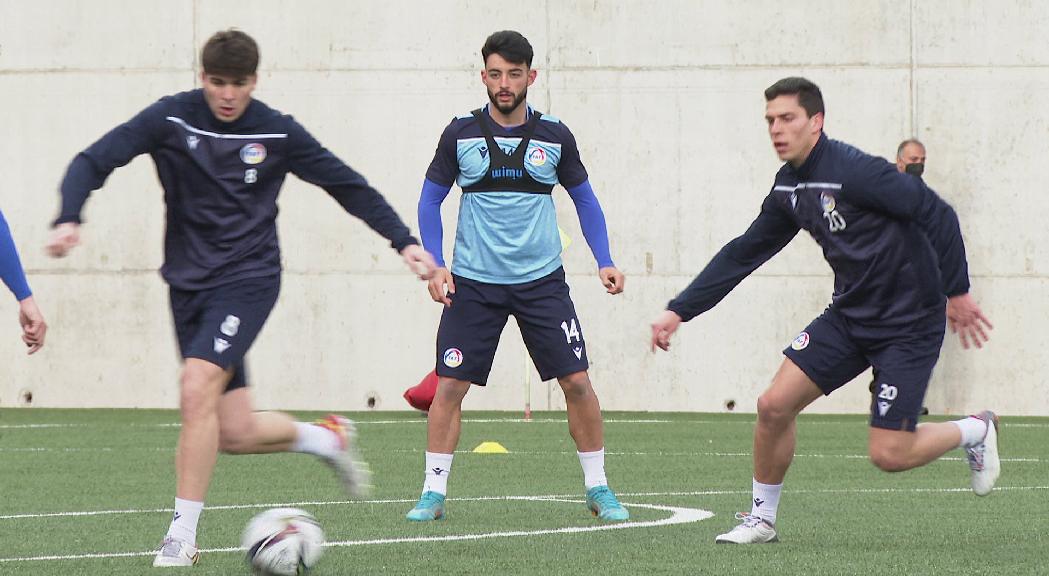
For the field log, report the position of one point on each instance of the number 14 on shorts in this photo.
(571, 331)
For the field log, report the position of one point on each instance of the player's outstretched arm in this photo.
(663, 328)
(63, 238)
(441, 286)
(612, 279)
(419, 261)
(967, 320)
(34, 328)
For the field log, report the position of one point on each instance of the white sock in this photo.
(438, 467)
(766, 501)
(184, 522)
(317, 440)
(593, 464)
(973, 430)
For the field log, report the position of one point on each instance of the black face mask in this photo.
(916, 169)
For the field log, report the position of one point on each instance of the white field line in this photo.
(659, 453)
(422, 420)
(678, 515)
(300, 504)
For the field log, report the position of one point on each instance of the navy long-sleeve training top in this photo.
(221, 181)
(895, 246)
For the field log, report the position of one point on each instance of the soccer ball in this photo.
(283, 542)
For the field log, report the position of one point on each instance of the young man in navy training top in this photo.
(896, 251)
(222, 157)
(29, 317)
(507, 158)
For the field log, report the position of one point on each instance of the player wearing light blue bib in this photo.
(507, 231)
(507, 158)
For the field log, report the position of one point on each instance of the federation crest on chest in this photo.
(253, 153)
(835, 221)
(827, 202)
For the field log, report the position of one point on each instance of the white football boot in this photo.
(983, 458)
(353, 472)
(175, 552)
(752, 530)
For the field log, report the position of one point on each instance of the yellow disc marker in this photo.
(490, 448)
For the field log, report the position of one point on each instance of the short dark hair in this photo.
(230, 53)
(899, 149)
(509, 44)
(809, 96)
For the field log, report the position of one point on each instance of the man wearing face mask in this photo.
(910, 157)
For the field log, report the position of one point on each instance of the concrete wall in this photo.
(665, 99)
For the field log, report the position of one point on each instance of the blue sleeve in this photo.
(767, 235)
(90, 169)
(877, 185)
(318, 166)
(430, 226)
(592, 221)
(10, 266)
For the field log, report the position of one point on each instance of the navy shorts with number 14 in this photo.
(471, 326)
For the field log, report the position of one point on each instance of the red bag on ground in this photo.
(421, 395)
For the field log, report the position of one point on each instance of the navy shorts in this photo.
(832, 351)
(471, 326)
(220, 324)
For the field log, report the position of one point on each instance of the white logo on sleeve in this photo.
(221, 345)
(578, 352)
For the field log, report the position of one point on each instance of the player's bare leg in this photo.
(244, 431)
(198, 443)
(443, 426)
(202, 384)
(778, 408)
(444, 420)
(895, 450)
(333, 438)
(774, 441)
(584, 412)
(899, 450)
(587, 429)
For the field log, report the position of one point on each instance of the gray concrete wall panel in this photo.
(665, 98)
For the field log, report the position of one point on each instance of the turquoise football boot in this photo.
(602, 503)
(430, 507)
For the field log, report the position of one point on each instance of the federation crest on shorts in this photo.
(536, 157)
(801, 341)
(453, 357)
(253, 153)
